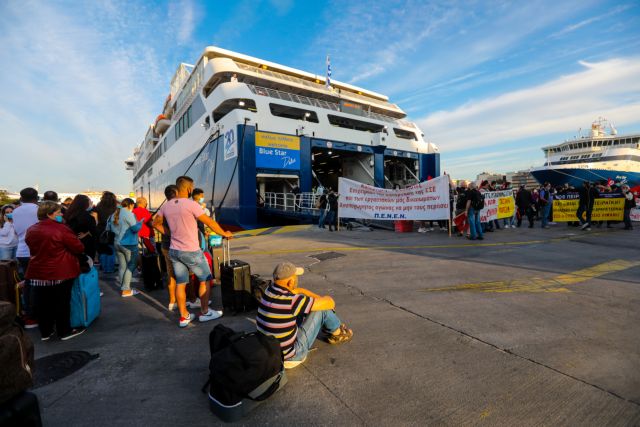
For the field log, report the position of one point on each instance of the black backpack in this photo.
(477, 202)
(243, 366)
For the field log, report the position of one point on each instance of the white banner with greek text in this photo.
(428, 200)
(497, 205)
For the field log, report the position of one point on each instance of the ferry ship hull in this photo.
(576, 176)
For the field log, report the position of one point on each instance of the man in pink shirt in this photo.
(182, 215)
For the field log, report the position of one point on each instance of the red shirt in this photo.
(143, 213)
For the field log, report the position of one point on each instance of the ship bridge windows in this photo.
(183, 123)
(287, 112)
(233, 104)
(405, 134)
(360, 125)
(573, 157)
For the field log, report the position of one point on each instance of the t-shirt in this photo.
(181, 216)
(143, 214)
(24, 216)
(277, 314)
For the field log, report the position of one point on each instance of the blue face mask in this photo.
(89, 208)
(59, 218)
(9, 216)
(201, 200)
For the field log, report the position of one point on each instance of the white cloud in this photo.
(561, 106)
(79, 94)
(573, 27)
(182, 19)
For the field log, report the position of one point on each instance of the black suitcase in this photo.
(235, 278)
(151, 275)
(21, 411)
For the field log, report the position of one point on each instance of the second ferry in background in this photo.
(598, 157)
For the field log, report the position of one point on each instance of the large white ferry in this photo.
(600, 156)
(250, 131)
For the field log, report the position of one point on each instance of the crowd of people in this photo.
(534, 205)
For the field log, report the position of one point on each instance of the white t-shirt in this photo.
(24, 216)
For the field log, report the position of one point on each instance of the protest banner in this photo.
(607, 207)
(498, 205)
(428, 200)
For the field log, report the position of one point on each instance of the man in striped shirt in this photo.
(295, 316)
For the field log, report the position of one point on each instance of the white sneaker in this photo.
(211, 315)
(421, 230)
(133, 293)
(195, 304)
(172, 306)
(184, 321)
(430, 228)
(585, 226)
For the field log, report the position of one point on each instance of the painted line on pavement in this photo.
(539, 284)
(383, 247)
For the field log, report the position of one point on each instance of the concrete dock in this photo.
(528, 327)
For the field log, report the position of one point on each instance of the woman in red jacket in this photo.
(52, 269)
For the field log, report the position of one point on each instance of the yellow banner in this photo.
(603, 210)
(506, 207)
(276, 140)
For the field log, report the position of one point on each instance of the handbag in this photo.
(107, 237)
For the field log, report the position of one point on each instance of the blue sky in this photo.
(488, 82)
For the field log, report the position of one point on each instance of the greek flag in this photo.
(328, 84)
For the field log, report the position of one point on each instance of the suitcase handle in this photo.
(226, 252)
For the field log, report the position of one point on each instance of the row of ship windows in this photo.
(278, 110)
(588, 144)
(294, 113)
(584, 156)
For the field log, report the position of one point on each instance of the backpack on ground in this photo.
(85, 299)
(22, 410)
(16, 355)
(151, 273)
(245, 369)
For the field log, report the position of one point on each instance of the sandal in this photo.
(345, 335)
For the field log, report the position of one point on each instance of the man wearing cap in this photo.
(295, 316)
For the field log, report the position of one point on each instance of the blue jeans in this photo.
(127, 263)
(8, 253)
(185, 261)
(546, 209)
(474, 224)
(323, 216)
(331, 218)
(311, 327)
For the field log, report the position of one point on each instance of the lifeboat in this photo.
(162, 124)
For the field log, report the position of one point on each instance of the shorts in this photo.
(168, 263)
(184, 261)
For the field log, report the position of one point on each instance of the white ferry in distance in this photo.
(251, 132)
(601, 156)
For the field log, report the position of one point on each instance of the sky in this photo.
(489, 82)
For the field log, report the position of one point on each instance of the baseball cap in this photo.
(284, 270)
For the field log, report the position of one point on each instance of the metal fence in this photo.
(301, 202)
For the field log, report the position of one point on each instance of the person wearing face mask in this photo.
(123, 223)
(52, 270)
(78, 217)
(8, 235)
(142, 214)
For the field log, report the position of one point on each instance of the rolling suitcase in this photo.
(235, 277)
(8, 279)
(85, 299)
(108, 262)
(151, 275)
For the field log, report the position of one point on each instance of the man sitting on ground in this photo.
(295, 316)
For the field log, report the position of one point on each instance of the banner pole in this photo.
(449, 221)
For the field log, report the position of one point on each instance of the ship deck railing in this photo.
(302, 203)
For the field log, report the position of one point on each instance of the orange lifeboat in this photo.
(162, 124)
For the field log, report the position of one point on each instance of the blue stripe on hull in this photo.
(576, 177)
